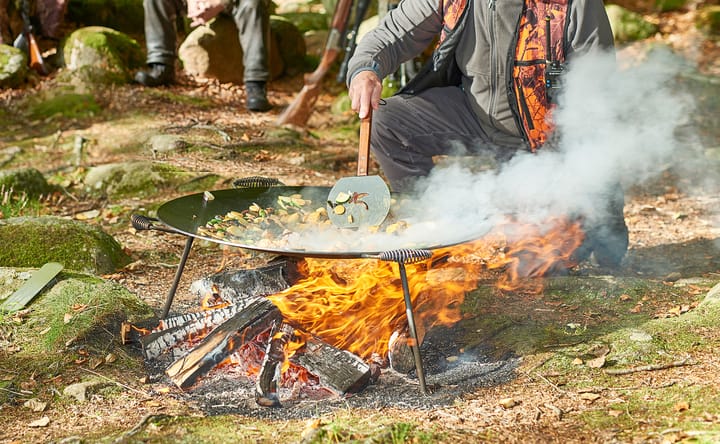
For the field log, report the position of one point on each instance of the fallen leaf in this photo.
(42, 422)
(596, 363)
(614, 413)
(79, 307)
(589, 396)
(507, 403)
(681, 406)
(85, 215)
(625, 297)
(67, 318)
(577, 361)
(110, 358)
(35, 405)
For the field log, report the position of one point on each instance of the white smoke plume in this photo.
(616, 126)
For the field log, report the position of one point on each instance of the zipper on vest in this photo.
(493, 61)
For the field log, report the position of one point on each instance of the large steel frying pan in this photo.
(186, 214)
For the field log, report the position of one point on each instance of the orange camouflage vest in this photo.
(530, 62)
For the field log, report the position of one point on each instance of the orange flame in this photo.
(356, 305)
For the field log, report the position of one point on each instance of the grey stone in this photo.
(13, 67)
(82, 391)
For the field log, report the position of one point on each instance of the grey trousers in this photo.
(407, 131)
(251, 17)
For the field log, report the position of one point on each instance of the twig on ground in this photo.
(649, 368)
(139, 426)
(117, 382)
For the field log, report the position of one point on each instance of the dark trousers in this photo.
(407, 131)
(251, 18)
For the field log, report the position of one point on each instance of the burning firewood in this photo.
(339, 370)
(267, 380)
(223, 341)
(178, 328)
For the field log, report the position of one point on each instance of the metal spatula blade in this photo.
(363, 200)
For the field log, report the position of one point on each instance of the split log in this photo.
(339, 370)
(223, 341)
(177, 329)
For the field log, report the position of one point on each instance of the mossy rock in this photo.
(103, 52)
(61, 103)
(124, 15)
(32, 242)
(670, 5)
(27, 180)
(708, 20)
(76, 311)
(290, 44)
(307, 21)
(13, 67)
(143, 179)
(628, 26)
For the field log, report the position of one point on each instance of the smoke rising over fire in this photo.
(616, 125)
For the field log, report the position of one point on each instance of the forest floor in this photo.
(673, 223)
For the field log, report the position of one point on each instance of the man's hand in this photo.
(364, 91)
(202, 11)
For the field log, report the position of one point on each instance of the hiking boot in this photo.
(607, 238)
(158, 74)
(256, 97)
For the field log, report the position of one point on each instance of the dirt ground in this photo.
(672, 216)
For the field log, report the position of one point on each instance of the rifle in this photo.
(298, 112)
(26, 42)
(360, 10)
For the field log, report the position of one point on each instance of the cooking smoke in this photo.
(616, 125)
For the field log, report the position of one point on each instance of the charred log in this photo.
(223, 341)
(339, 370)
(179, 328)
(234, 286)
(269, 376)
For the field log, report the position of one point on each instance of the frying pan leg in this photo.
(415, 347)
(181, 266)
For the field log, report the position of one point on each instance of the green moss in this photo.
(307, 21)
(183, 99)
(66, 105)
(77, 313)
(32, 242)
(628, 26)
(13, 67)
(708, 20)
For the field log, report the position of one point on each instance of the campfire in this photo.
(334, 325)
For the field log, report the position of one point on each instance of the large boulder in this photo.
(25, 180)
(142, 179)
(102, 54)
(126, 16)
(32, 242)
(214, 51)
(13, 67)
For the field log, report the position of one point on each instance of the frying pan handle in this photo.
(364, 150)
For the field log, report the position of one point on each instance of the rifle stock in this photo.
(298, 112)
(35, 59)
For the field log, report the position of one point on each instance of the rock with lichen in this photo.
(101, 55)
(13, 67)
(79, 246)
